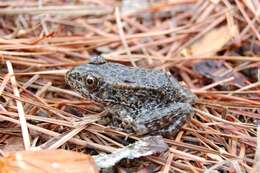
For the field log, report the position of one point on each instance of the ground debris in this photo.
(211, 47)
(145, 147)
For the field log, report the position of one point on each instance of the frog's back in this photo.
(117, 74)
(143, 79)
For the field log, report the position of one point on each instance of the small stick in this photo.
(23, 124)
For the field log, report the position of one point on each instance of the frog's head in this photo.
(89, 79)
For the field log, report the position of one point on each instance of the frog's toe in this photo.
(140, 129)
(173, 128)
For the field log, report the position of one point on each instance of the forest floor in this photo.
(212, 47)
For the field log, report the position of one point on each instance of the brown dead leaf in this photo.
(213, 41)
(48, 161)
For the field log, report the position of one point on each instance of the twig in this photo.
(23, 124)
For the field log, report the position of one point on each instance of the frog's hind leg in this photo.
(173, 128)
(165, 120)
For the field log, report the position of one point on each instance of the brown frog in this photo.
(138, 100)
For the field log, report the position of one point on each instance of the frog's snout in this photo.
(68, 77)
(71, 78)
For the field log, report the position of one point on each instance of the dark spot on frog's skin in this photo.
(128, 81)
(139, 100)
(114, 92)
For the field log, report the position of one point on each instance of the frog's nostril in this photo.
(68, 74)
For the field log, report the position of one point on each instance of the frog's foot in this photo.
(163, 120)
(115, 123)
(173, 128)
(121, 118)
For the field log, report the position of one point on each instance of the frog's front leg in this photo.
(121, 117)
(165, 119)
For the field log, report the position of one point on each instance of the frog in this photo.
(137, 100)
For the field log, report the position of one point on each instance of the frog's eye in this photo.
(91, 81)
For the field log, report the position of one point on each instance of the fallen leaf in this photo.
(48, 161)
(213, 41)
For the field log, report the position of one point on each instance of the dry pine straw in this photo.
(40, 43)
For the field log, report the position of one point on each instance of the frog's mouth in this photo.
(71, 79)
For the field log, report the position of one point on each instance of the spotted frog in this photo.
(138, 100)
